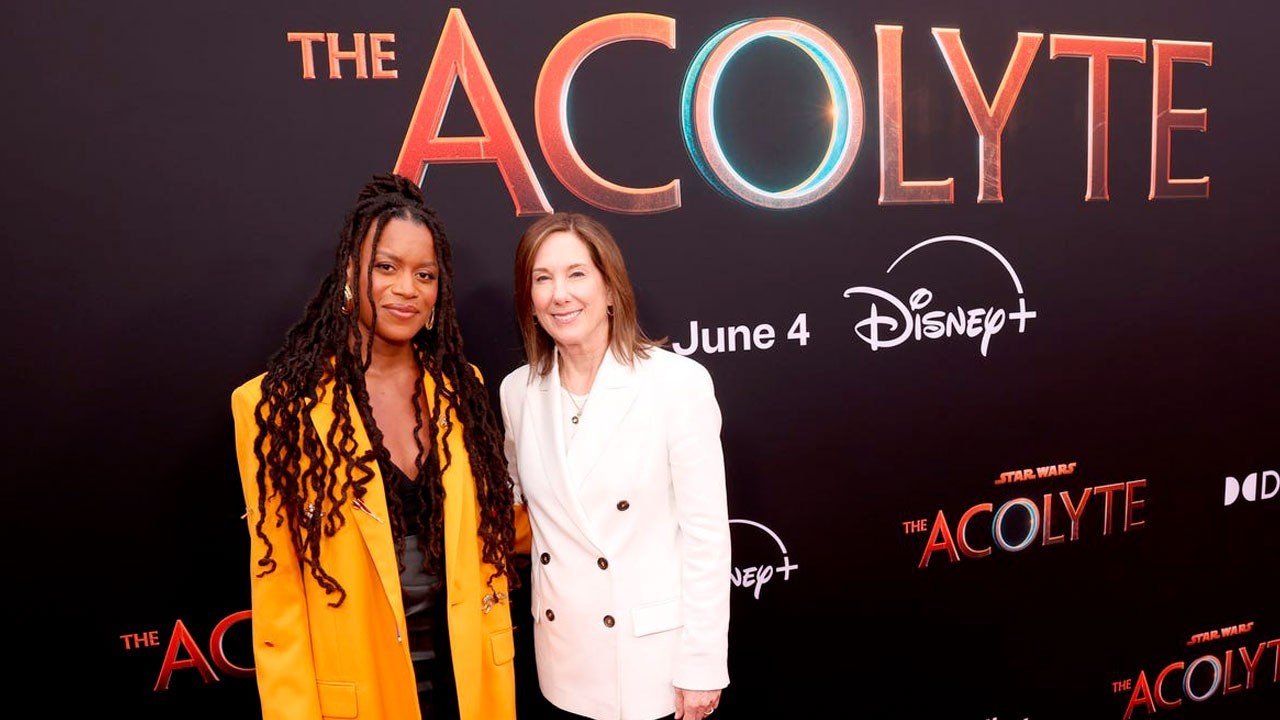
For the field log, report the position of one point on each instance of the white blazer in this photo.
(631, 557)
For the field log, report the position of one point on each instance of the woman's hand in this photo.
(696, 704)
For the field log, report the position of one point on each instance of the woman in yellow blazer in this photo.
(378, 503)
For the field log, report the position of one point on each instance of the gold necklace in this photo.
(576, 406)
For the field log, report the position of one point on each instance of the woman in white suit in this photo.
(614, 446)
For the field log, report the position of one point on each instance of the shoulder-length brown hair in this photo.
(626, 339)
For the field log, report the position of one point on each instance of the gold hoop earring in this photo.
(348, 300)
(431, 319)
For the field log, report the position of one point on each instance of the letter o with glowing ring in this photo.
(698, 122)
(1033, 524)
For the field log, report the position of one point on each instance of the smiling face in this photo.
(405, 281)
(570, 298)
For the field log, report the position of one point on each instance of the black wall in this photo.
(173, 187)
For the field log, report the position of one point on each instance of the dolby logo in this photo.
(1255, 486)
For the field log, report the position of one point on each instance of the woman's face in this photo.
(406, 281)
(570, 300)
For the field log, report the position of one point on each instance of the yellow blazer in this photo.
(315, 661)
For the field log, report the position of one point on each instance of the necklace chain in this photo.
(576, 406)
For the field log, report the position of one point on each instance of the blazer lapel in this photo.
(459, 494)
(545, 414)
(372, 519)
(615, 390)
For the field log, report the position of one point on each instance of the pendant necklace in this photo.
(576, 406)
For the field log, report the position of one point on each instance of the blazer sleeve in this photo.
(511, 396)
(285, 672)
(698, 480)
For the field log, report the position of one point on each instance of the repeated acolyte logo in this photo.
(183, 651)
(1045, 518)
(1230, 662)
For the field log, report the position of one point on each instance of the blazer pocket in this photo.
(656, 617)
(503, 645)
(337, 699)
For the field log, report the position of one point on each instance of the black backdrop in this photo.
(173, 187)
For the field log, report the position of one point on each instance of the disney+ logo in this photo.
(912, 320)
(767, 548)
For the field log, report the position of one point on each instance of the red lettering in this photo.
(458, 61)
(1141, 697)
(304, 40)
(182, 638)
(1099, 51)
(939, 539)
(1047, 537)
(1131, 503)
(1165, 118)
(962, 532)
(988, 118)
(1075, 511)
(551, 99)
(1166, 704)
(220, 655)
(894, 190)
(1227, 687)
(356, 53)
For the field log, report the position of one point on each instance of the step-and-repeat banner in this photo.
(988, 291)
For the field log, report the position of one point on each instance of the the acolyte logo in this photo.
(182, 651)
(1254, 487)
(458, 61)
(1043, 518)
(1234, 664)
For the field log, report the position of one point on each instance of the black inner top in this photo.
(425, 602)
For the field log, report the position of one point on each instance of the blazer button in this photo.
(550, 615)
(602, 563)
(608, 620)
(545, 558)
(623, 504)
